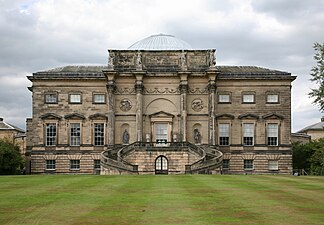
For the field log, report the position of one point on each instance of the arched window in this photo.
(161, 165)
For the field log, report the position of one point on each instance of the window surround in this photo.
(50, 134)
(75, 95)
(94, 101)
(50, 164)
(246, 96)
(223, 101)
(51, 98)
(269, 101)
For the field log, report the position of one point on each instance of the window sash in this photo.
(224, 98)
(272, 130)
(74, 164)
(248, 164)
(50, 165)
(75, 98)
(273, 98)
(96, 164)
(51, 134)
(99, 134)
(248, 129)
(75, 134)
(99, 98)
(248, 98)
(226, 163)
(51, 98)
(224, 130)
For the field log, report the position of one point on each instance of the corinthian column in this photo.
(211, 107)
(183, 104)
(139, 88)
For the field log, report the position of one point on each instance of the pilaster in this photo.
(211, 106)
(139, 89)
(183, 86)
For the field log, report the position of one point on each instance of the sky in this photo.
(37, 35)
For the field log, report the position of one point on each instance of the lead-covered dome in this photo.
(160, 42)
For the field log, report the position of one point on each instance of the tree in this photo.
(10, 158)
(317, 75)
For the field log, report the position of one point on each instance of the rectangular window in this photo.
(50, 165)
(224, 130)
(226, 163)
(74, 164)
(75, 98)
(223, 98)
(273, 165)
(96, 164)
(272, 98)
(51, 98)
(99, 134)
(99, 98)
(248, 98)
(248, 134)
(50, 134)
(272, 133)
(75, 134)
(248, 164)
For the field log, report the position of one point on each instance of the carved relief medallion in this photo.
(197, 104)
(125, 105)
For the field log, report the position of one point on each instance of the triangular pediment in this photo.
(225, 116)
(248, 116)
(162, 114)
(273, 116)
(75, 116)
(50, 116)
(98, 116)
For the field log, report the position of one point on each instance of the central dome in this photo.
(160, 42)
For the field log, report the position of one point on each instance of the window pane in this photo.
(50, 164)
(224, 134)
(75, 134)
(248, 98)
(51, 98)
(50, 134)
(74, 164)
(99, 98)
(224, 98)
(248, 164)
(75, 98)
(96, 164)
(248, 129)
(99, 134)
(272, 98)
(272, 133)
(226, 164)
(273, 165)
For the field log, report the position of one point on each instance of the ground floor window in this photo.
(226, 164)
(50, 164)
(248, 164)
(74, 164)
(273, 165)
(96, 164)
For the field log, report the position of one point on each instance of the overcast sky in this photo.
(37, 35)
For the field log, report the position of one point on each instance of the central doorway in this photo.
(161, 165)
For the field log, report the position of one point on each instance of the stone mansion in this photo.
(160, 107)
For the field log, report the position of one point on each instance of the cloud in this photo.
(38, 35)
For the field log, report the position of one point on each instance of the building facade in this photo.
(160, 107)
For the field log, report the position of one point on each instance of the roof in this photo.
(316, 126)
(7, 126)
(160, 42)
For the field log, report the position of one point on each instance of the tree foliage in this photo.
(309, 157)
(317, 76)
(10, 158)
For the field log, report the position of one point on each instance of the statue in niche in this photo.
(183, 60)
(125, 137)
(125, 105)
(197, 105)
(212, 59)
(111, 60)
(139, 60)
(197, 136)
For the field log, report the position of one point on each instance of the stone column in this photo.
(183, 104)
(111, 87)
(211, 107)
(139, 88)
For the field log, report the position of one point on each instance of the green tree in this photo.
(317, 75)
(10, 158)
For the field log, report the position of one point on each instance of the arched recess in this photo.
(197, 133)
(124, 133)
(161, 165)
(161, 104)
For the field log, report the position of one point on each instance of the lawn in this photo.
(178, 199)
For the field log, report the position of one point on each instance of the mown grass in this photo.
(181, 199)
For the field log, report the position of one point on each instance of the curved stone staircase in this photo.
(113, 160)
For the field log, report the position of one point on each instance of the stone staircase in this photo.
(209, 158)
